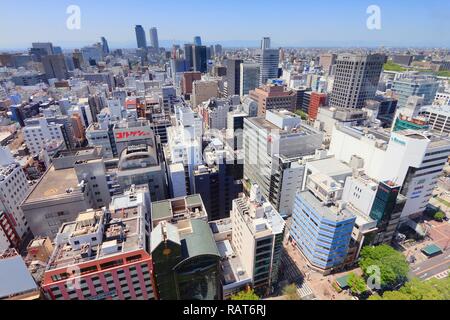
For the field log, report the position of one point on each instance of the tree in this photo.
(433, 289)
(248, 295)
(357, 284)
(392, 264)
(439, 216)
(291, 293)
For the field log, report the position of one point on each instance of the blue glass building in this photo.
(322, 233)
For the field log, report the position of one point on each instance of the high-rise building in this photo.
(273, 146)
(39, 132)
(356, 79)
(218, 50)
(268, 60)
(46, 46)
(233, 76)
(110, 248)
(189, 56)
(327, 61)
(257, 236)
(55, 67)
(141, 37)
(249, 79)
(105, 46)
(154, 38)
(419, 160)
(200, 59)
(265, 43)
(203, 90)
(317, 100)
(273, 96)
(187, 81)
(197, 41)
(13, 189)
(320, 230)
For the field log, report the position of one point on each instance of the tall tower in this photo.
(154, 38)
(140, 37)
(265, 43)
(197, 41)
(268, 60)
(105, 46)
(234, 76)
(356, 79)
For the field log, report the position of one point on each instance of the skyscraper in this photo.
(199, 57)
(356, 79)
(233, 76)
(249, 79)
(268, 59)
(154, 38)
(105, 46)
(197, 41)
(55, 66)
(140, 37)
(189, 56)
(265, 43)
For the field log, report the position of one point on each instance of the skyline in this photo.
(417, 25)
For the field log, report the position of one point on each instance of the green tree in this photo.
(246, 296)
(433, 289)
(393, 265)
(291, 293)
(439, 216)
(357, 284)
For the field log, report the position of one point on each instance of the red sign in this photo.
(132, 134)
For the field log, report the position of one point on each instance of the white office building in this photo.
(409, 158)
(39, 132)
(13, 190)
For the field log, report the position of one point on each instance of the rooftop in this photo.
(15, 279)
(55, 184)
(330, 213)
(173, 210)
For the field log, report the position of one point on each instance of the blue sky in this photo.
(288, 22)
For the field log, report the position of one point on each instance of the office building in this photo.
(273, 147)
(28, 78)
(437, 118)
(268, 60)
(197, 41)
(214, 113)
(327, 61)
(408, 86)
(55, 67)
(46, 46)
(442, 99)
(92, 54)
(420, 159)
(141, 38)
(187, 80)
(273, 96)
(105, 46)
(249, 77)
(356, 79)
(218, 181)
(317, 101)
(200, 59)
(203, 90)
(110, 247)
(39, 132)
(75, 181)
(154, 38)
(321, 230)
(233, 76)
(189, 56)
(257, 237)
(265, 43)
(13, 189)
